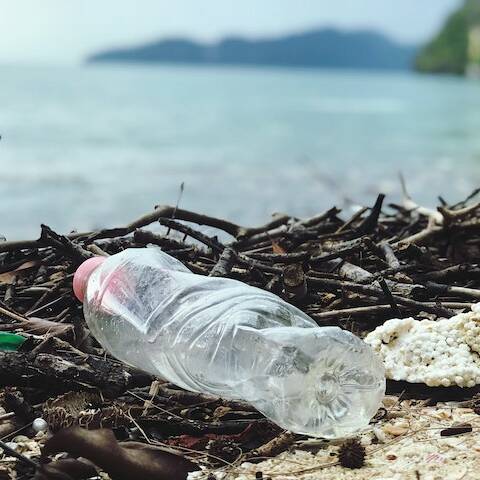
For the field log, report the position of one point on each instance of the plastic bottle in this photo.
(223, 337)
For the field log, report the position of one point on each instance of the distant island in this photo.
(327, 48)
(456, 48)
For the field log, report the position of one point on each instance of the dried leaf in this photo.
(254, 435)
(122, 461)
(9, 277)
(15, 402)
(40, 326)
(276, 248)
(221, 411)
(65, 469)
(190, 442)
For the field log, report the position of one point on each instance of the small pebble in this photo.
(390, 401)
(395, 430)
(12, 445)
(39, 425)
(380, 435)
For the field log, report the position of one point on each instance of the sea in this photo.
(90, 146)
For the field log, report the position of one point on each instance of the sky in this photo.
(66, 31)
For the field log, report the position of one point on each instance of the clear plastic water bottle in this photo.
(223, 337)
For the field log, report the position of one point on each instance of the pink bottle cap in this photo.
(82, 275)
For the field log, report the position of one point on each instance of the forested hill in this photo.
(456, 48)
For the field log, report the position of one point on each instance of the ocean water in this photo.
(90, 146)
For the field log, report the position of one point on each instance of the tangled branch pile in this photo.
(399, 260)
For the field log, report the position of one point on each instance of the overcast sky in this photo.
(59, 31)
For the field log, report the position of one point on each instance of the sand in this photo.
(405, 444)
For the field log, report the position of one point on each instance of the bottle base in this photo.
(336, 395)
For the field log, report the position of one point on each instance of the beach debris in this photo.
(41, 326)
(14, 401)
(10, 341)
(351, 454)
(86, 409)
(223, 451)
(275, 446)
(456, 430)
(395, 429)
(445, 352)
(405, 262)
(39, 425)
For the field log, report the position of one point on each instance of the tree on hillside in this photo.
(448, 51)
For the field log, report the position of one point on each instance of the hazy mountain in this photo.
(317, 48)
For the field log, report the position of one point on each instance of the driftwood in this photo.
(57, 372)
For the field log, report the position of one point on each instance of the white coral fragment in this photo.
(445, 352)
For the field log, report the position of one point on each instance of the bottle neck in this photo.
(80, 279)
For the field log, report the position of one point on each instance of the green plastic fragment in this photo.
(10, 341)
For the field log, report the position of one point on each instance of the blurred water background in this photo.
(90, 146)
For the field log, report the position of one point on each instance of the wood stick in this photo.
(378, 293)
